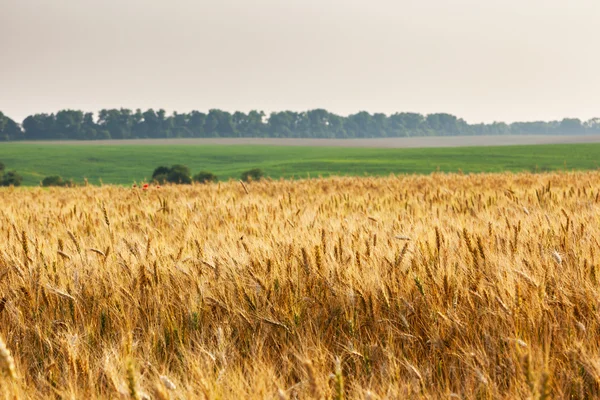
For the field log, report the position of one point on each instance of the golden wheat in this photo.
(441, 286)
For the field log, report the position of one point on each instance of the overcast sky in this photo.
(482, 60)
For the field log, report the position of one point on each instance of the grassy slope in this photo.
(128, 163)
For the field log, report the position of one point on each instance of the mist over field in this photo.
(416, 142)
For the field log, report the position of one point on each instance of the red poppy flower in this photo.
(145, 187)
(158, 186)
(134, 186)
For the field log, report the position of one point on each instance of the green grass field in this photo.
(125, 164)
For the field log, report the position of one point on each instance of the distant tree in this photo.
(413, 122)
(2, 167)
(593, 125)
(318, 123)
(54, 180)
(164, 124)
(9, 129)
(534, 128)
(336, 126)
(179, 125)
(281, 124)
(89, 128)
(498, 128)
(175, 174)
(117, 122)
(444, 124)
(11, 178)
(380, 126)
(3, 121)
(254, 174)
(255, 125)
(68, 124)
(361, 124)
(40, 127)
(196, 123)
(179, 174)
(219, 123)
(161, 178)
(205, 177)
(162, 170)
(211, 122)
(571, 126)
(103, 135)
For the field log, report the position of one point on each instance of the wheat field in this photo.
(442, 286)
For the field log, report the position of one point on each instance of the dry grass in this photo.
(445, 286)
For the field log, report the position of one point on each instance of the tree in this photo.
(89, 128)
(103, 135)
(117, 122)
(336, 126)
(255, 124)
(535, 127)
(593, 125)
(54, 180)
(397, 126)
(68, 124)
(498, 128)
(443, 124)
(210, 123)
(254, 174)
(318, 121)
(196, 123)
(179, 174)
(161, 174)
(219, 123)
(11, 178)
(571, 126)
(205, 177)
(123, 123)
(40, 127)
(179, 125)
(360, 123)
(379, 125)
(162, 170)
(249, 125)
(281, 124)
(412, 122)
(9, 129)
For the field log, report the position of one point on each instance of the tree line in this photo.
(181, 174)
(128, 124)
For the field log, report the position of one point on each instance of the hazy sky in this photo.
(482, 60)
